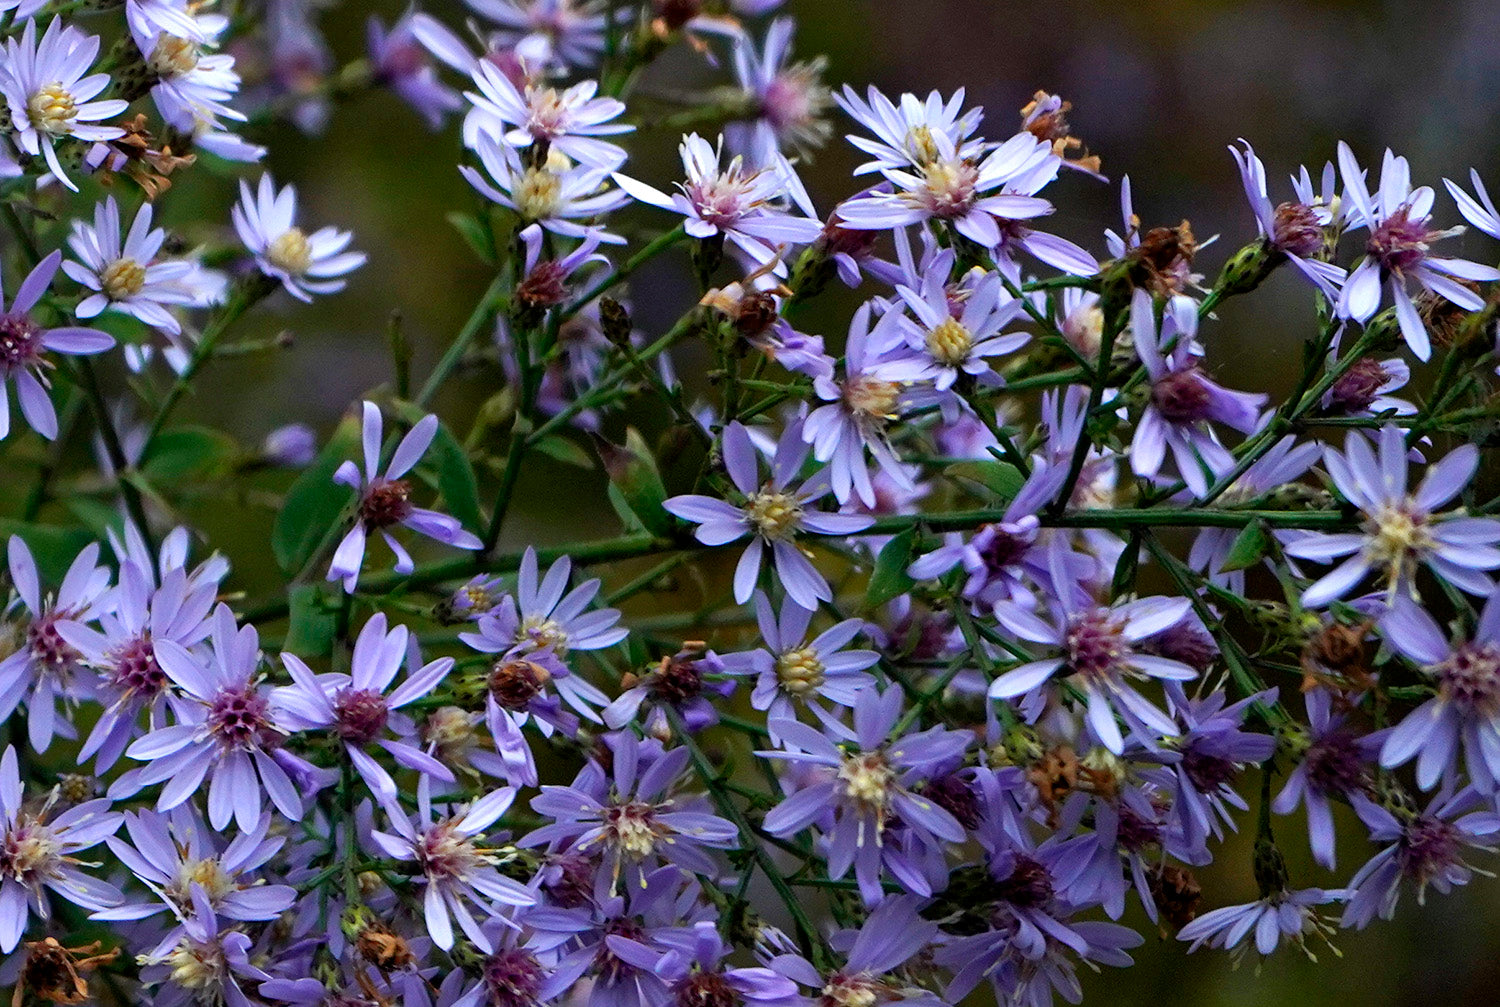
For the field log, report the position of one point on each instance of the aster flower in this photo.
(305, 264)
(125, 273)
(558, 197)
(906, 135)
(630, 817)
(1183, 399)
(1365, 388)
(385, 500)
(172, 853)
(1398, 250)
(863, 787)
(1282, 465)
(792, 668)
(862, 406)
(568, 32)
(788, 99)
(544, 284)
(1400, 530)
(46, 668)
(1294, 230)
(1423, 848)
(49, 96)
(198, 962)
(570, 121)
(1284, 914)
(1097, 650)
(1336, 764)
(544, 614)
(39, 855)
(744, 204)
(400, 62)
(24, 346)
(1465, 713)
(191, 87)
(226, 724)
(687, 682)
(891, 935)
(775, 512)
(457, 868)
(356, 709)
(957, 335)
(692, 967)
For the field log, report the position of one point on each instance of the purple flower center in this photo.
(1028, 886)
(402, 60)
(1400, 243)
(1428, 848)
(31, 853)
(544, 286)
(1182, 396)
(569, 882)
(1095, 643)
(1002, 548)
(949, 190)
(1295, 230)
(360, 715)
(513, 978)
(1358, 387)
(446, 854)
(1208, 772)
(20, 342)
(514, 684)
(613, 970)
(1470, 677)
(723, 199)
(47, 646)
(134, 669)
(239, 717)
(705, 989)
(677, 680)
(953, 794)
(386, 502)
(1334, 764)
(1136, 832)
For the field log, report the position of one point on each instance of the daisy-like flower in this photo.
(356, 709)
(1294, 230)
(305, 264)
(792, 668)
(906, 135)
(561, 197)
(1337, 762)
(39, 855)
(774, 512)
(385, 501)
(172, 853)
(24, 346)
(457, 867)
(744, 204)
(1365, 389)
(864, 785)
(566, 32)
(49, 96)
(1184, 401)
(1401, 531)
(1465, 713)
(957, 330)
(1096, 650)
(871, 396)
(630, 817)
(46, 668)
(400, 62)
(789, 99)
(892, 934)
(124, 273)
(570, 121)
(1398, 250)
(544, 615)
(1285, 914)
(191, 87)
(197, 962)
(227, 724)
(694, 973)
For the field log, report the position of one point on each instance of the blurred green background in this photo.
(1160, 89)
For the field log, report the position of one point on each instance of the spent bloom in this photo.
(1293, 229)
(304, 264)
(385, 500)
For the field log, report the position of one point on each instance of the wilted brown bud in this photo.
(56, 974)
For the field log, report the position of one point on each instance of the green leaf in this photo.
(990, 478)
(189, 453)
(564, 450)
(890, 579)
(475, 234)
(313, 622)
(637, 481)
(628, 518)
(53, 548)
(1249, 548)
(315, 502)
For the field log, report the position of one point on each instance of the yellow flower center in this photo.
(208, 874)
(1399, 535)
(538, 194)
(52, 109)
(867, 780)
(123, 278)
(774, 515)
(194, 967)
(173, 57)
(950, 343)
(542, 632)
(799, 671)
(873, 398)
(920, 146)
(290, 252)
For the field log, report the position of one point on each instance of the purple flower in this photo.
(906, 135)
(862, 789)
(1397, 250)
(356, 709)
(544, 615)
(1285, 463)
(1335, 764)
(891, 935)
(385, 501)
(957, 331)
(1424, 848)
(124, 271)
(570, 121)
(774, 512)
(305, 264)
(1285, 914)
(226, 723)
(709, 982)
(789, 99)
(1465, 713)
(630, 818)
(400, 63)
(198, 963)
(790, 668)
(686, 682)
(1183, 399)
(457, 869)
(46, 667)
(1400, 530)
(560, 199)
(556, 32)
(24, 345)
(1295, 230)
(39, 855)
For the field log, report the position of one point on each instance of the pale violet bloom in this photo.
(1401, 530)
(191, 87)
(906, 134)
(1295, 230)
(358, 709)
(124, 272)
(555, 32)
(385, 500)
(570, 121)
(1285, 914)
(563, 199)
(49, 96)
(399, 59)
(306, 264)
(958, 335)
(789, 99)
(24, 346)
(1398, 250)
(774, 512)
